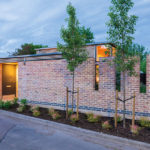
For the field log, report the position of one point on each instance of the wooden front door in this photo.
(8, 79)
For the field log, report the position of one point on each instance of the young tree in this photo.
(88, 35)
(73, 49)
(27, 48)
(120, 30)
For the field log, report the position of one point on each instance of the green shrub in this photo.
(74, 118)
(7, 104)
(36, 112)
(23, 102)
(92, 118)
(1, 104)
(51, 111)
(15, 101)
(135, 129)
(70, 112)
(20, 108)
(34, 108)
(119, 118)
(144, 122)
(55, 116)
(89, 115)
(106, 125)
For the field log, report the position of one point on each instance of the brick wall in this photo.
(0, 81)
(107, 84)
(132, 84)
(45, 82)
(142, 103)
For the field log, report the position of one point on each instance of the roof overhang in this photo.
(34, 57)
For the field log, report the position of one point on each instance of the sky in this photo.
(40, 21)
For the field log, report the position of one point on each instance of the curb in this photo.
(75, 130)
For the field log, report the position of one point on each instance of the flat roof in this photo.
(88, 44)
(32, 55)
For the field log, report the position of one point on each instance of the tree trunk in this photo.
(124, 103)
(72, 90)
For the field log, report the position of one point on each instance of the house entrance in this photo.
(9, 79)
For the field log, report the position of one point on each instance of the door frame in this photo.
(16, 91)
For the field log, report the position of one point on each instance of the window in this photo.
(143, 75)
(103, 51)
(118, 80)
(96, 77)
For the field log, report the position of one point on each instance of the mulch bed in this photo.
(144, 134)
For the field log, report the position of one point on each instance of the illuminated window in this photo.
(103, 51)
(96, 77)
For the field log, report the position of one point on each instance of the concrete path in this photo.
(5, 126)
(20, 134)
(28, 136)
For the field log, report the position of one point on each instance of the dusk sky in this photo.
(39, 21)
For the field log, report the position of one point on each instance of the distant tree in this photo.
(140, 50)
(120, 30)
(27, 48)
(73, 48)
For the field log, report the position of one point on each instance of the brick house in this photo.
(42, 79)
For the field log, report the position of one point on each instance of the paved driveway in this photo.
(20, 134)
(17, 135)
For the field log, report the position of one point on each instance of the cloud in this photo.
(39, 21)
(5, 47)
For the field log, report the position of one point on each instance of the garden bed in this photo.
(143, 135)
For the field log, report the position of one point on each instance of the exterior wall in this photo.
(107, 84)
(42, 81)
(132, 85)
(90, 49)
(0, 81)
(45, 82)
(142, 103)
(46, 50)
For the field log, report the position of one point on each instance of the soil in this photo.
(144, 133)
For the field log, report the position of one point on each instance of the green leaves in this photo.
(120, 30)
(87, 34)
(75, 39)
(27, 48)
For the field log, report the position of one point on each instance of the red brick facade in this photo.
(46, 82)
(0, 81)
